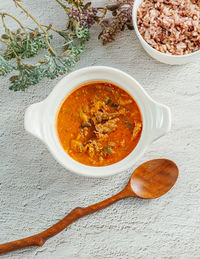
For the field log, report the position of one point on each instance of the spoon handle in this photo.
(77, 213)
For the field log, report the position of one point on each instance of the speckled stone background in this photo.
(35, 191)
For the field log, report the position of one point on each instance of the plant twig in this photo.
(63, 6)
(14, 18)
(51, 28)
(39, 25)
(18, 59)
(3, 41)
(80, 17)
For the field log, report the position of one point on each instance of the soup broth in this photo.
(99, 124)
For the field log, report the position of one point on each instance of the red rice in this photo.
(170, 26)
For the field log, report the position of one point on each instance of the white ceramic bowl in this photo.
(40, 118)
(162, 57)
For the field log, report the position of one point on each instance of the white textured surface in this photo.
(35, 191)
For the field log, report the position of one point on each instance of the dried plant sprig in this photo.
(51, 50)
(26, 45)
(14, 18)
(121, 18)
(52, 66)
(112, 18)
(5, 67)
(18, 59)
(27, 42)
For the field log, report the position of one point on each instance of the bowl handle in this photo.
(161, 120)
(33, 119)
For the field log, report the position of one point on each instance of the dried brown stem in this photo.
(3, 41)
(50, 28)
(7, 14)
(19, 62)
(39, 25)
(61, 4)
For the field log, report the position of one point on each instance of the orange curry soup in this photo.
(99, 124)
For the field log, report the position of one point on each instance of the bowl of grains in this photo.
(169, 30)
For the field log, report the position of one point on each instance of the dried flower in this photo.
(84, 16)
(111, 27)
(122, 16)
(126, 8)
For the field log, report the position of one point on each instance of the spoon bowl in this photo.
(154, 178)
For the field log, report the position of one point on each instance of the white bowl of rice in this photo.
(169, 30)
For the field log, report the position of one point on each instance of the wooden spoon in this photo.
(150, 180)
